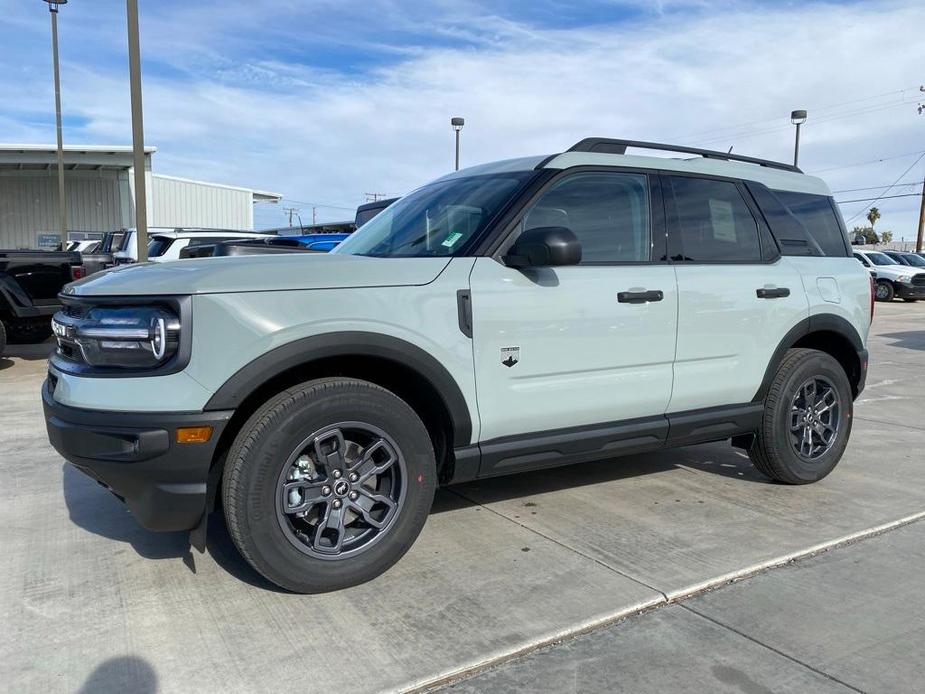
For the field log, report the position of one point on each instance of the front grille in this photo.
(919, 280)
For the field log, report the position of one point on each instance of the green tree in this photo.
(886, 236)
(866, 233)
(872, 216)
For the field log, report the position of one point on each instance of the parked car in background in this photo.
(370, 210)
(128, 250)
(893, 278)
(29, 285)
(175, 245)
(514, 316)
(307, 243)
(86, 246)
(906, 258)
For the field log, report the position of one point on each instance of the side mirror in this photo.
(544, 247)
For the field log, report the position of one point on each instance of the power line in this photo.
(863, 163)
(855, 190)
(883, 194)
(883, 197)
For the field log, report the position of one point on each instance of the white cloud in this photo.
(324, 136)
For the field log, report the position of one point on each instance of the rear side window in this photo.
(711, 222)
(816, 214)
(158, 246)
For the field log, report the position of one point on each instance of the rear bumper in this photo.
(136, 456)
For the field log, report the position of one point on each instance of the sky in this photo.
(324, 101)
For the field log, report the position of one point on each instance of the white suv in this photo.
(168, 243)
(508, 317)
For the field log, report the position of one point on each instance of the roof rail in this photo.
(606, 145)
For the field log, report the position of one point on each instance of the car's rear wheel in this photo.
(885, 291)
(328, 484)
(807, 419)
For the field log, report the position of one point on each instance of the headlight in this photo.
(133, 337)
(906, 279)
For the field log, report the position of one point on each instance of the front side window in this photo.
(437, 220)
(608, 212)
(862, 259)
(158, 245)
(712, 223)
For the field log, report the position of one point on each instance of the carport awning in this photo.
(17, 157)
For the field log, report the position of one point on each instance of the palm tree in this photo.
(873, 216)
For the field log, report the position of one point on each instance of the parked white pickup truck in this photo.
(893, 278)
(512, 316)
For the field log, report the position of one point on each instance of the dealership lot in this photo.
(89, 599)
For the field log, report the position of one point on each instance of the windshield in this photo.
(436, 220)
(881, 259)
(913, 259)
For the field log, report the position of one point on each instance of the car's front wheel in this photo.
(328, 484)
(807, 419)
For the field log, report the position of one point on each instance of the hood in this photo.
(255, 273)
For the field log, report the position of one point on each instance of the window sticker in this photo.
(724, 225)
(451, 239)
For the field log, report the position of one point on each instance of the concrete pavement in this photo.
(849, 619)
(89, 599)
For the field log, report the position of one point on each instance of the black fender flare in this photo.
(828, 322)
(303, 351)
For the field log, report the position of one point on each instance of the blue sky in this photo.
(324, 101)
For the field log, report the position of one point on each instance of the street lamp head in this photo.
(53, 4)
(798, 117)
(457, 123)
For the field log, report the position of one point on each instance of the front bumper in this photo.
(909, 291)
(136, 456)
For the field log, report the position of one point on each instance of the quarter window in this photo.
(608, 212)
(816, 214)
(712, 222)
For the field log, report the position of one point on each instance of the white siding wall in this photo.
(29, 204)
(177, 202)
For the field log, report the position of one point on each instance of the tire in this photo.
(2, 338)
(885, 291)
(293, 552)
(29, 331)
(774, 449)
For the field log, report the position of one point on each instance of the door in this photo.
(579, 345)
(737, 296)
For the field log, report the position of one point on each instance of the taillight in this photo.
(873, 296)
(77, 272)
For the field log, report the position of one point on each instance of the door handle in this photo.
(776, 293)
(640, 297)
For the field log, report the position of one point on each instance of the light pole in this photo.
(138, 134)
(62, 207)
(797, 118)
(457, 123)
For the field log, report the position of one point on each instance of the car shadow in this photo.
(98, 511)
(715, 458)
(33, 352)
(95, 509)
(124, 673)
(910, 339)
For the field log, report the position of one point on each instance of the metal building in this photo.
(99, 193)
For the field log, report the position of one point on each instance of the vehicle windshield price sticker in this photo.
(451, 239)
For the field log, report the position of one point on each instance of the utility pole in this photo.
(62, 206)
(313, 215)
(919, 239)
(374, 197)
(291, 211)
(138, 134)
